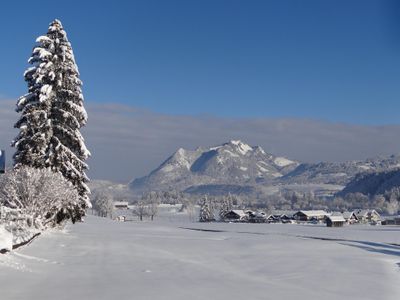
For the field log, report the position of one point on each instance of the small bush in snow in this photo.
(44, 197)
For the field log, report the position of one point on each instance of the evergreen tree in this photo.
(226, 206)
(52, 114)
(206, 213)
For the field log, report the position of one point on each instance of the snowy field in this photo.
(173, 258)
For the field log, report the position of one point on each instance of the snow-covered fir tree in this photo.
(52, 114)
(206, 211)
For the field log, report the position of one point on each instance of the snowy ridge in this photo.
(373, 183)
(340, 173)
(283, 162)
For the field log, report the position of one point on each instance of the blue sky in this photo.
(329, 60)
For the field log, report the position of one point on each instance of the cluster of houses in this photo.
(333, 219)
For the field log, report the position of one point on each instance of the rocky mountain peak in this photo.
(231, 162)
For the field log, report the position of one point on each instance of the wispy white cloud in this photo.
(127, 142)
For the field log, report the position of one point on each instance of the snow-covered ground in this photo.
(173, 258)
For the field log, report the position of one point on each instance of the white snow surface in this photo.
(173, 258)
(6, 239)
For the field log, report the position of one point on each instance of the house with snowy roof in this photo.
(350, 217)
(335, 221)
(283, 216)
(273, 218)
(236, 215)
(284, 213)
(121, 205)
(368, 216)
(309, 215)
(257, 217)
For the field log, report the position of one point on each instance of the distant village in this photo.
(123, 211)
(232, 208)
(334, 219)
(331, 219)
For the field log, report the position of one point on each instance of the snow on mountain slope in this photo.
(242, 148)
(339, 173)
(181, 160)
(373, 183)
(231, 163)
(236, 166)
(283, 162)
(118, 190)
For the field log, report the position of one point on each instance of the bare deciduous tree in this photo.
(153, 209)
(103, 203)
(140, 210)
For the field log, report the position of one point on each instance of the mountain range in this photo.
(239, 168)
(372, 183)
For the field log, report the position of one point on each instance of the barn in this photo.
(335, 221)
